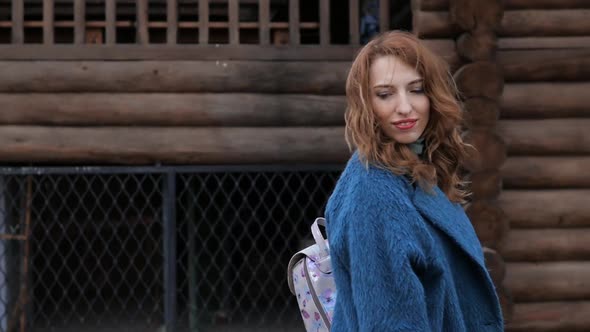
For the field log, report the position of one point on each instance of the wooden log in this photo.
(549, 281)
(546, 4)
(179, 145)
(317, 77)
(481, 112)
(550, 317)
(432, 24)
(539, 245)
(443, 47)
(490, 223)
(485, 185)
(545, 100)
(489, 153)
(546, 137)
(545, 65)
(570, 22)
(471, 14)
(528, 43)
(546, 208)
(546, 172)
(495, 265)
(471, 85)
(506, 302)
(168, 109)
(477, 45)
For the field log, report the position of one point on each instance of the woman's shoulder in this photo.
(370, 179)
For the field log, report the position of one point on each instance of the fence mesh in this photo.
(85, 251)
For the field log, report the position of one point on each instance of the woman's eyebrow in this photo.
(419, 80)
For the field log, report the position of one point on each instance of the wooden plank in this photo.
(541, 245)
(143, 36)
(545, 100)
(546, 172)
(489, 222)
(264, 19)
(48, 19)
(315, 77)
(353, 22)
(546, 208)
(18, 14)
(234, 28)
(204, 22)
(545, 65)
(548, 281)
(79, 21)
(550, 317)
(545, 23)
(546, 136)
(519, 43)
(111, 19)
(431, 5)
(164, 109)
(172, 22)
(324, 22)
(545, 4)
(445, 48)
(384, 15)
(147, 145)
(294, 34)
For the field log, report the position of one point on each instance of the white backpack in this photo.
(311, 280)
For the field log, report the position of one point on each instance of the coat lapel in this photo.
(449, 218)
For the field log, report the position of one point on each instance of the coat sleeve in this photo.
(383, 256)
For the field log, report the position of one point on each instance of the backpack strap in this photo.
(321, 258)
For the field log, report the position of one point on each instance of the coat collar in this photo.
(450, 219)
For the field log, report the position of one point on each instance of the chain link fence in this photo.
(154, 249)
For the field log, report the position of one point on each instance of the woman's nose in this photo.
(404, 106)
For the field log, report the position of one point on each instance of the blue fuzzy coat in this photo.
(405, 259)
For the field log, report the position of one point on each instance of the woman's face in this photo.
(398, 99)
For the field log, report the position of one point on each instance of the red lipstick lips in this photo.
(405, 124)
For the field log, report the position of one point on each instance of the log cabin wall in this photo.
(142, 82)
(543, 50)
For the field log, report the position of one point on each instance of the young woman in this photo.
(404, 254)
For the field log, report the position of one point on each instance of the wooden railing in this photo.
(173, 22)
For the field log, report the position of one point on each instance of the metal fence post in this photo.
(169, 218)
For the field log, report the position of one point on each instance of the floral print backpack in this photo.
(311, 281)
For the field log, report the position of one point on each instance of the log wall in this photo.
(543, 50)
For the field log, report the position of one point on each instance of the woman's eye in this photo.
(383, 95)
(418, 90)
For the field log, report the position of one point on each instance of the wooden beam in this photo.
(164, 109)
(48, 19)
(444, 48)
(533, 43)
(485, 185)
(324, 22)
(234, 21)
(546, 172)
(18, 14)
(558, 208)
(471, 85)
(172, 22)
(549, 281)
(294, 35)
(549, 100)
(545, 4)
(264, 19)
(546, 136)
(204, 22)
(111, 19)
(489, 151)
(143, 35)
(79, 21)
(540, 245)
(550, 316)
(545, 23)
(179, 145)
(384, 15)
(353, 24)
(431, 5)
(545, 65)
